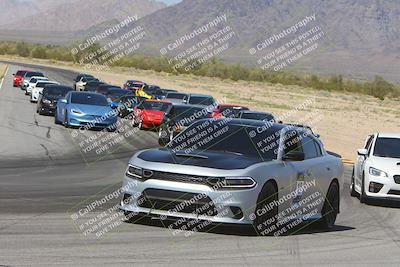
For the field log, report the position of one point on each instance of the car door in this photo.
(359, 165)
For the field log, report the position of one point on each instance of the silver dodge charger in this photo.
(271, 176)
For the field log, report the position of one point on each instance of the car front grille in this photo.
(183, 178)
(175, 201)
(397, 179)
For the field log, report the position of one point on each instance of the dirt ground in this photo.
(342, 119)
(3, 68)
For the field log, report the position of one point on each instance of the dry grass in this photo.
(342, 120)
(3, 68)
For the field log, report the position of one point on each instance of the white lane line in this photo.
(2, 80)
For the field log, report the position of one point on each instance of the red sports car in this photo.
(150, 113)
(133, 85)
(18, 77)
(227, 111)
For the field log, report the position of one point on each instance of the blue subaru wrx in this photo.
(86, 110)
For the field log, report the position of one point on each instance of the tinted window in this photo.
(20, 73)
(387, 147)
(31, 74)
(160, 106)
(89, 99)
(201, 100)
(231, 112)
(258, 116)
(56, 92)
(176, 96)
(41, 84)
(293, 142)
(117, 94)
(179, 113)
(223, 137)
(309, 148)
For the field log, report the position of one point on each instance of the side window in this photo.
(293, 142)
(318, 148)
(310, 149)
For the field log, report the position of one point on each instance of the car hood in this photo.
(91, 109)
(386, 164)
(216, 160)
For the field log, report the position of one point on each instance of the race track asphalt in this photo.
(46, 178)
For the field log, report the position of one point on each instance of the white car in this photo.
(271, 176)
(376, 173)
(32, 83)
(80, 85)
(38, 89)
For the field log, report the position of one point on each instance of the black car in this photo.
(92, 85)
(178, 118)
(151, 89)
(103, 89)
(127, 104)
(47, 101)
(256, 115)
(161, 94)
(114, 94)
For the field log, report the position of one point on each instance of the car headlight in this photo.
(376, 172)
(46, 101)
(134, 172)
(234, 183)
(75, 111)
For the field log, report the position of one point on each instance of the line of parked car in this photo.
(248, 154)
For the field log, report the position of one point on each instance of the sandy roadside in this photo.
(342, 119)
(3, 68)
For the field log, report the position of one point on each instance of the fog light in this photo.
(237, 212)
(126, 199)
(375, 187)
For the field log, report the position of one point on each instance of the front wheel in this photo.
(353, 192)
(66, 124)
(330, 209)
(266, 210)
(363, 196)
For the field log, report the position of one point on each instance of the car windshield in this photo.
(387, 147)
(231, 112)
(117, 94)
(176, 96)
(31, 74)
(41, 84)
(209, 136)
(20, 73)
(56, 92)
(153, 105)
(201, 100)
(89, 99)
(193, 113)
(257, 116)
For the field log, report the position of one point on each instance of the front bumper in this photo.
(170, 199)
(48, 108)
(390, 189)
(90, 122)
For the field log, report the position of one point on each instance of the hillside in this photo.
(361, 36)
(69, 16)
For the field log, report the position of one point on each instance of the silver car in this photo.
(268, 175)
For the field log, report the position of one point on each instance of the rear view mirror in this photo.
(362, 152)
(294, 156)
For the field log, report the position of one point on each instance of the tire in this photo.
(268, 195)
(56, 121)
(66, 120)
(141, 125)
(330, 209)
(363, 196)
(353, 192)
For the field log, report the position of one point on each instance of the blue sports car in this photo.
(86, 109)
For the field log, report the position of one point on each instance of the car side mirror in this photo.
(362, 152)
(13, 74)
(63, 100)
(294, 156)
